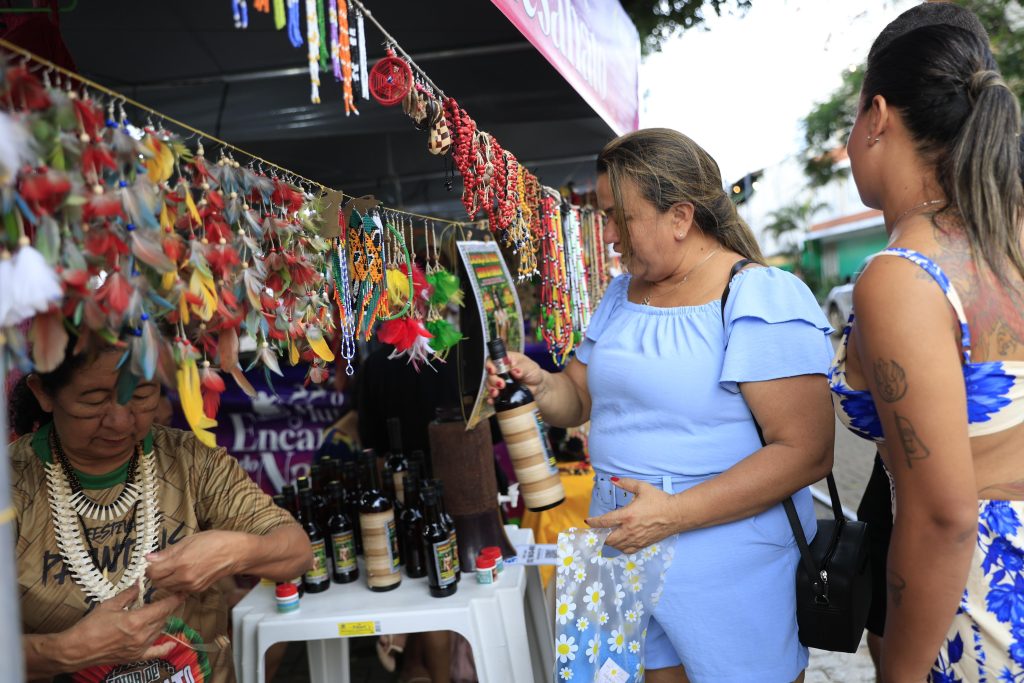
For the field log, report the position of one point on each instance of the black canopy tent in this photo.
(251, 88)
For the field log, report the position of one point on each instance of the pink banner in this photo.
(593, 44)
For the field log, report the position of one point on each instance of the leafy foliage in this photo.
(659, 20)
(828, 124)
(791, 220)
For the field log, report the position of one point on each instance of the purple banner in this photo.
(275, 435)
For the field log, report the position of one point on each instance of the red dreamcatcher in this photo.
(390, 79)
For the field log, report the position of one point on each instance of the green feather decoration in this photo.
(446, 288)
(445, 336)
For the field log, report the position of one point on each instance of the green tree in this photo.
(828, 124)
(787, 223)
(658, 20)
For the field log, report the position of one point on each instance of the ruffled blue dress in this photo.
(666, 409)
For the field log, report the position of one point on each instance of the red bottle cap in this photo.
(484, 562)
(492, 551)
(286, 590)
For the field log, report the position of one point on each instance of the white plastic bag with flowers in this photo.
(603, 605)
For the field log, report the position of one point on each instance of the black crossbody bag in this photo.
(833, 584)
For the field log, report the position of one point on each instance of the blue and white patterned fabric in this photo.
(985, 643)
(995, 389)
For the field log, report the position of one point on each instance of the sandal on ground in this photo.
(389, 651)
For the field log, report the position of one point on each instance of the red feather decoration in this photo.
(115, 293)
(24, 91)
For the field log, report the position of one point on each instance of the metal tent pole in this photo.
(10, 618)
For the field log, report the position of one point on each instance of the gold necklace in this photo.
(903, 215)
(646, 301)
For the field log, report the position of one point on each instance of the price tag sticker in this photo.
(537, 554)
(358, 628)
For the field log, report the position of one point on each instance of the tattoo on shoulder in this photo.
(913, 446)
(891, 380)
(896, 585)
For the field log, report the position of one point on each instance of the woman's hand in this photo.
(114, 634)
(196, 562)
(650, 517)
(522, 369)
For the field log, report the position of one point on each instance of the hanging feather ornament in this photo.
(145, 349)
(227, 352)
(315, 337)
(190, 396)
(49, 340)
(445, 337)
(212, 386)
(15, 147)
(447, 288)
(410, 338)
(32, 286)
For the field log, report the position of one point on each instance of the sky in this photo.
(741, 88)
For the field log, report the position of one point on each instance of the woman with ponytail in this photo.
(931, 366)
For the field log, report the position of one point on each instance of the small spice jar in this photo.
(287, 597)
(486, 572)
(494, 552)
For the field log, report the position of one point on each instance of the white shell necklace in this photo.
(68, 532)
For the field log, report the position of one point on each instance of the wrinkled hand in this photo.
(650, 517)
(522, 369)
(195, 563)
(111, 635)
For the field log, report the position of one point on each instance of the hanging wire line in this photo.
(11, 47)
(398, 48)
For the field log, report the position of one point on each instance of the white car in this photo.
(838, 305)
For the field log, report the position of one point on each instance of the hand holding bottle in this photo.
(523, 370)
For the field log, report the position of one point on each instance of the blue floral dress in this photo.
(985, 642)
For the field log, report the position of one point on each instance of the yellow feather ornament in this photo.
(191, 399)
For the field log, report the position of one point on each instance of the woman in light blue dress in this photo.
(669, 381)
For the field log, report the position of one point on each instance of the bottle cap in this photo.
(496, 348)
(491, 551)
(286, 590)
(484, 562)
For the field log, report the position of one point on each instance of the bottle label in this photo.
(396, 556)
(455, 550)
(319, 572)
(543, 436)
(445, 559)
(399, 479)
(344, 545)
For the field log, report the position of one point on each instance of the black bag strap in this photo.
(810, 566)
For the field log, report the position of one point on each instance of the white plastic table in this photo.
(511, 637)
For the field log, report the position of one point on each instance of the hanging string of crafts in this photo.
(527, 218)
(135, 237)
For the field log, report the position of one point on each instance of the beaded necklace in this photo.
(343, 297)
(556, 309)
(577, 272)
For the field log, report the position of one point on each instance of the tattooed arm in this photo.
(910, 354)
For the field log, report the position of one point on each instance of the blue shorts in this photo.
(728, 611)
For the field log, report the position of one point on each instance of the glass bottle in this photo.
(524, 434)
(449, 524)
(291, 499)
(380, 535)
(410, 529)
(281, 500)
(318, 578)
(437, 548)
(353, 492)
(396, 466)
(342, 533)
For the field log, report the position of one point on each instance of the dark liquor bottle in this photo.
(342, 533)
(318, 485)
(291, 499)
(318, 578)
(524, 434)
(449, 524)
(380, 535)
(396, 466)
(437, 547)
(281, 500)
(410, 529)
(419, 459)
(353, 492)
